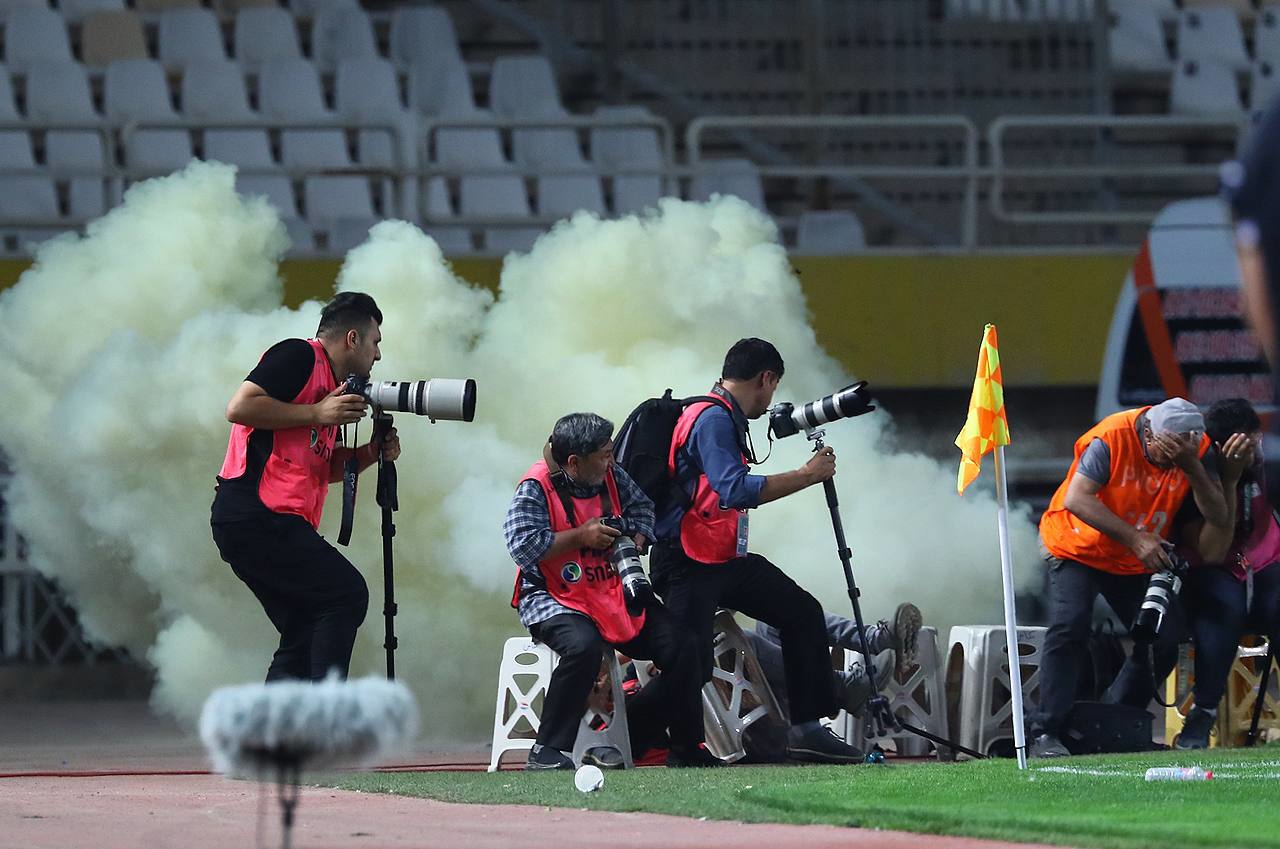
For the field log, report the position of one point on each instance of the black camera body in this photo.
(637, 592)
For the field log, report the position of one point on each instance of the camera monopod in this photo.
(389, 502)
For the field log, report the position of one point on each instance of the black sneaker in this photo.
(820, 745)
(545, 757)
(1048, 746)
(852, 685)
(1195, 731)
(901, 635)
(682, 757)
(605, 757)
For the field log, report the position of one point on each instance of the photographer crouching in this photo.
(1106, 531)
(280, 460)
(574, 529)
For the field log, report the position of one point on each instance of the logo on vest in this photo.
(571, 573)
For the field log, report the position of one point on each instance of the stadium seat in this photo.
(248, 149)
(341, 33)
(15, 150)
(563, 195)
(289, 90)
(75, 11)
(1212, 34)
(301, 237)
(628, 148)
(1241, 8)
(1205, 90)
(330, 200)
(155, 7)
(348, 233)
(831, 232)
(1266, 36)
(214, 91)
(190, 35)
(738, 177)
(453, 241)
(58, 92)
(7, 6)
(35, 35)
(310, 8)
(264, 34)
(27, 198)
(232, 8)
(1137, 37)
(278, 190)
(107, 37)
(366, 92)
(523, 86)
(135, 90)
(422, 32)
(1264, 85)
(8, 107)
(440, 86)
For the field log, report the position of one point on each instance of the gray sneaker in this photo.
(854, 688)
(815, 743)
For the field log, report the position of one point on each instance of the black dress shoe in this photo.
(545, 757)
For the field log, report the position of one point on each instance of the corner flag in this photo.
(986, 426)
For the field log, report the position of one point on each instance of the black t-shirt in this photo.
(282, 372)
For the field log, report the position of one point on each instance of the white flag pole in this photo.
(1010, 616)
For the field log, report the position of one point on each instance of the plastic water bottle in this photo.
(1178, 773)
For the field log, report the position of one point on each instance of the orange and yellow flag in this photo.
(986, 427)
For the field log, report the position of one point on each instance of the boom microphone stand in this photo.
(389, 501)
(879, 713)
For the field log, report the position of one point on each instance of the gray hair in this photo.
(579, 433)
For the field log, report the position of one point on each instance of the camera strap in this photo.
(562, 484)
(350, 478)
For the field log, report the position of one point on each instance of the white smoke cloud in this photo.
(126, 344)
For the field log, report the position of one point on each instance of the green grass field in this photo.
(1098, 801)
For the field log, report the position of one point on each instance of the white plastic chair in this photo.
(35, 35)
(440, 85)
(366, 92)
(628, 148)
(263, 34)
(1206, 90)
(341, 33)
(215, 91)
(563, 195)
(524, 86)
(1136, 37)
(245, 148)
(59, 92)
(7, 6)
(422, 32)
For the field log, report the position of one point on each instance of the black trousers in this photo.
(671, 701)
(1073, 587)
(312, 594)
(1219, 617)
(755, 587)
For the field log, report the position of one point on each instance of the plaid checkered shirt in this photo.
(528, 532)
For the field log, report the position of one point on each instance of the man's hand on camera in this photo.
(339, 408)
(1149, 548)
(821, 466)
(596, 534)
(1234, 456)
(391, 446)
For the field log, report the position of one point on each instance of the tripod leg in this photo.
(1261, 699)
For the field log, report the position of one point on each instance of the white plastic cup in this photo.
(588, 778)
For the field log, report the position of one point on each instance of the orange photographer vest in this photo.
(295, 478)
(1140, 493)
(583, 580)
(708, 532)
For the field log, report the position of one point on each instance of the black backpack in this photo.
(643, 444)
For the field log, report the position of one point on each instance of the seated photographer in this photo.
(281, 457)
(1106, 531)
(569, 514)
(700, 561)
(1236, 591)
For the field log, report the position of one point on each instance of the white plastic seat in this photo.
(8, 108)
(1266, 35)
(278, 190)
(1206, 90)
(214, 91)
(265, 33)
(1264, 85)
(35, 36)
(135, 90)
(310, 8)
(628, 148)
(347, 233)
(25, 198)
(829, 232)
(289, 90)
(459, 149)
(563, 195)
(248, 149)
(441, 85)
(366, 92)
(73, 152)
(7, 6)
(74, 11)
(1212, 34)
(15, 150)
(524, 85)
(738, 177)
(341, 33)
(979, 657)
(438, 211)
(301, 238)
(58, 92)
(422, 32)
(920, 699)
(190, 35)
(1136, 37)
(331, 198)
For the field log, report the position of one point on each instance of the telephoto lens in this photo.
(788, 419)
(636, 589)
(439, 398)
(1161, 591)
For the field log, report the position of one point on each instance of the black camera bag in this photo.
(1096, 727)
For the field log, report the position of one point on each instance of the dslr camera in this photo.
(787, 419)
(441, 398)
(637, 592)
(1161, 591)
